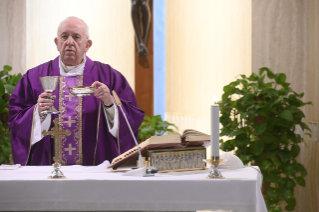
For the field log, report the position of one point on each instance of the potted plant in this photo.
(155, 126)
(260, 117)
(7, 85)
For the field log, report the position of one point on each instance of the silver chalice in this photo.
(49, 84)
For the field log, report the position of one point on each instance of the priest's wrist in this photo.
(108, 106)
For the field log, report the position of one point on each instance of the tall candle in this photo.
(214, 137)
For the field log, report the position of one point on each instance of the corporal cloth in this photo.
(24, 99)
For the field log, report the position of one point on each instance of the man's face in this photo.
(72, 42)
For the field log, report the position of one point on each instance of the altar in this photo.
(98, 189)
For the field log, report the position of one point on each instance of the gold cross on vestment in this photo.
(70, 149)
(69, 96)
(56, 133)
(69, 121)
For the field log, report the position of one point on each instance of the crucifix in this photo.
(56, 133)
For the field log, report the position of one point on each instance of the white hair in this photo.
(74, 17)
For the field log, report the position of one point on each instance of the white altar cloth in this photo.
(29, 189)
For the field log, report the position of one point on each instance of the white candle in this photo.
(214, 137)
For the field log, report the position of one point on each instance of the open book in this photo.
(189, 138)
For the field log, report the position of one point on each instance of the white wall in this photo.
(208, 44)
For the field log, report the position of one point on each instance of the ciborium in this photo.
(49, 84)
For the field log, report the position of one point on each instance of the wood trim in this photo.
(144, 72)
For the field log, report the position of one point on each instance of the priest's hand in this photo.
(103, 92)
(44, 104)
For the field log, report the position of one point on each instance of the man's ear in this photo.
(88, 45)
(56, 43)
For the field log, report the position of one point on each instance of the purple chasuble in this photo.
(79, 115)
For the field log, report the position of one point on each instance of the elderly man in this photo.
(77, 114)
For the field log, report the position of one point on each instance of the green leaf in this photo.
(300, 168)
(260, 127)
(291, 202)
(286, 193)
(275, 160)
(279, 99)
(242, 140)
(227, 145)
(295, 150)
(146, 117)
(229, 89)
(7, 68)
(301, 181)
(9, 88)
(289, 169)
(289, 183)
(280, 78)
(273, 178)
(257, 147)
(286, 114)
(304, 126)
(284, 155)
(289, 208)
(272, 192)
(267, 166)
(253, 77)
(2, 89)
(237, 132)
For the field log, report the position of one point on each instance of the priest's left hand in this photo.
(103, 92)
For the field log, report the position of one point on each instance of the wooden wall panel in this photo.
(279, 39)
(285, 39)
(12, 35)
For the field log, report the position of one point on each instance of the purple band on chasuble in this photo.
(70, 118)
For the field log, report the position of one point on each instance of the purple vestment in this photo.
(24, 98)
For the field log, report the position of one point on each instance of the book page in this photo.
(193, 135)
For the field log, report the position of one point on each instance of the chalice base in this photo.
(57, 173)
(214, 162)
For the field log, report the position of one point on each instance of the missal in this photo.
(189, 138)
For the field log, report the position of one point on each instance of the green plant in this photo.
(7, 85)
(260, 118)
(154, 126)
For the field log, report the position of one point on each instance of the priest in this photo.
(87, 118)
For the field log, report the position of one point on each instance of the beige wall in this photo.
(285, 39)
(110, 29)
(208, 44)
(12, 35)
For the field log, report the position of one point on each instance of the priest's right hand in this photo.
(44, 104)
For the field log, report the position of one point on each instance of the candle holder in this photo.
(56, 173)
(214, 162)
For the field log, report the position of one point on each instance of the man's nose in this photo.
(70, 41)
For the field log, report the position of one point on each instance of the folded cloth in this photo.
(9, 167)
(99, 168)
(233, 162)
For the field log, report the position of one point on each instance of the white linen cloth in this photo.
(29, 189)
(9, 167)
(45, 124)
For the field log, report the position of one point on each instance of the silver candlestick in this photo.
(214, 162)
(49, 84)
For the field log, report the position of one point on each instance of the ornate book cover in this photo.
(189, 138)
